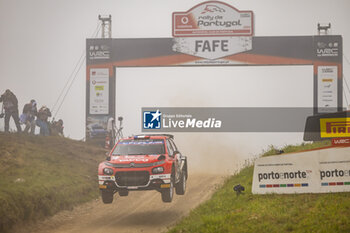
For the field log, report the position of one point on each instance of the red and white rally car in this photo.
(143, 162)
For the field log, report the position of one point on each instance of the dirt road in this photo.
(139, 212)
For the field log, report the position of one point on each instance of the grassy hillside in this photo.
(41, 175)
(272, 150)
(226, 212)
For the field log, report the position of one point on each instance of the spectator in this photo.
(57, 128)
(10, 104)
(28, 116)
(41, 121)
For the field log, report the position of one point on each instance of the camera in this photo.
(238, 189)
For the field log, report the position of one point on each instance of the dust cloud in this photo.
(210, 154)
(207, 153)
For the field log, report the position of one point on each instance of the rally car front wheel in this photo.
(168, 193)
(107, 196)
(180, 187)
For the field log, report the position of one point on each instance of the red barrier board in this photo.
(340, 141)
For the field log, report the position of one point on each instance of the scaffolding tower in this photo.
(106, 26)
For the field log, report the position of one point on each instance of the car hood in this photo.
(125, 159)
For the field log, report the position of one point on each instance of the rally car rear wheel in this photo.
(107, 196)
(167, 194)
(180, 187)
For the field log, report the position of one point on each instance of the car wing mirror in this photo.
(176, 152)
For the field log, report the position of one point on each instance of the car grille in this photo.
(132, 178)
(134, 165)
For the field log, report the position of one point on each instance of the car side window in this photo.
(173, 144)
(170, 148)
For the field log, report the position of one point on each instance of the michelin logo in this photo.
(152, 119)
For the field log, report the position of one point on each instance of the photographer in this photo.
(41, 120)
(57, 128)
(28, 116)
(10, 104)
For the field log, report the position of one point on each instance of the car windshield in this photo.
(140, 147)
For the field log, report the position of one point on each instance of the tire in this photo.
(167, 194)
(123, 193)
(180, 187)
(107, 196)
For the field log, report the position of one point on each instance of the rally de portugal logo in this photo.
(152, 119)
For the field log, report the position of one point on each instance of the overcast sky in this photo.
(42, 40)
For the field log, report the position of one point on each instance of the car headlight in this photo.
(158, 163)
(107, 171)
(157, 170)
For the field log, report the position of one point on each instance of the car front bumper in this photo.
(155, 181)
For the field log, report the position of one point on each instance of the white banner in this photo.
(318, 171)
(327, 88)
(99, 91)
(212, 47)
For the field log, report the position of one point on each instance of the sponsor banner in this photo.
(313, 127)
(317, 171)
(213, 18)
(335, 127)
(275, 50)
(327, 87)
(99, 91)
(224, 119)
(212, 47)
(341, 141)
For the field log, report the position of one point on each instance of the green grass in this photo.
(272, 150)
(227, 212)
(40, 176)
